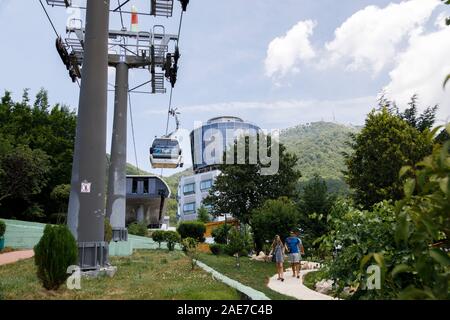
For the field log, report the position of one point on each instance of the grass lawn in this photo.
(147, 274)
(254, 274)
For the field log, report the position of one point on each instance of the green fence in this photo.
(25, 235)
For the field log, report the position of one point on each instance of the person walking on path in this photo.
(294, 246)
(277, 251)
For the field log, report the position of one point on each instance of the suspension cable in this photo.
(168, 112)
(49, 19)
(179, 28)
(121, 14)
(171, 89)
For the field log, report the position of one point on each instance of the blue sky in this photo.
(276, 63)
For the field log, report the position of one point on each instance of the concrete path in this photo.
(11, 257)
(294, 287)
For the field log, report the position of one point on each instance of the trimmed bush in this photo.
(2, 228)
(158, 236)
(138, 229)
(172, 238)
(220, 233)
(192, 229)
(217, 248)
(55, 252)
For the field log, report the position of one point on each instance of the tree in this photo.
(241, 187)
(55, 252)
(240, 243)
(23, 173)
(192, 229)
(274, 217)
(38, 126)
(383, 146)
(190, 246)
(422, 232)
(171, 238)
(314, 204)
(420, 122)
(60, 195)
(220, 233)
(203, 215)
(158, 236)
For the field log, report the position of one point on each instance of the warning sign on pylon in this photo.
(86, 187)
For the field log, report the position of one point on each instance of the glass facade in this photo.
(210, 141)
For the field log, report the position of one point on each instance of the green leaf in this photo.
(443, 184)
(411, 293)
(401, 232)
(440, 257)
(365, 259)
(379, 259)
(404, 170)
(409, 187)
(401, 268)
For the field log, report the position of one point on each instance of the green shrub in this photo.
(217, 248)
(203, 215)
(138, 229)
(220, 233)
(240, 242)
(190, 248)
(108, 231)
(2, 228)
(55, 252)
(192, 229)
(158, 236)
(172, 238)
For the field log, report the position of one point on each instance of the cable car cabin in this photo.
(166, 153)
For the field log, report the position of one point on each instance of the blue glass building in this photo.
(217, 134)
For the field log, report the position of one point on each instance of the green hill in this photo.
(319, 146)
(174, 179)
(131, 169)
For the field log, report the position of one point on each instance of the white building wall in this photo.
(197, 196)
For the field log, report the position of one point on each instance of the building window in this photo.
(189, 188)
(134, 186)
(146, 186)
(208, 207)
(206, 185)
(189, 208)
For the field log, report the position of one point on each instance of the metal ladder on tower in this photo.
(162, 8)
(59, 3)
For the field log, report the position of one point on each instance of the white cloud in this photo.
(421, 69)
(283, 113)
(284, 53)
(369, 39)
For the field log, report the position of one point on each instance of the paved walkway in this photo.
(11, 257)
(294, 287)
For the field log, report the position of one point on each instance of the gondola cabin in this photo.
(165, 153)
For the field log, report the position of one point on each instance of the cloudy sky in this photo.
(276, 63)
